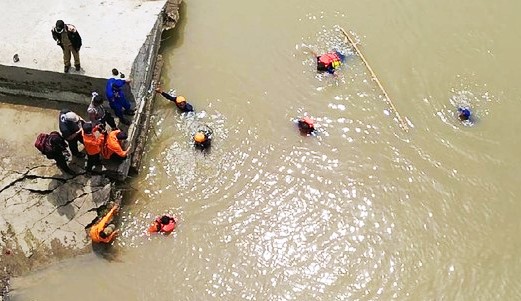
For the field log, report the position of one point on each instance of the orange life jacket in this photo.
(330, 59)
(308, 121)
(158, 226)
(112, 146)
(92, 143)
(96, 229)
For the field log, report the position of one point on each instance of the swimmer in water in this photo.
(306, 125)
(464, 114)
(163, 224)
(180, 101)
(202, 138)
(331, 61)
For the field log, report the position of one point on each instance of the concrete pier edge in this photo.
(75, 88)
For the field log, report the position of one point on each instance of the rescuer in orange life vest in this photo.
(163, 224)
(112, 149)
(306, 125)
(93, 143)
(103, 233)
(329, 62)
(202, 138)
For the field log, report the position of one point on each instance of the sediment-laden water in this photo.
(364, 210)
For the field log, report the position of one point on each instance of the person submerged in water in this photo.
(202, 138)
(163, 224)
(179, 101)
(464, 114)
(306, 125)
(331, 61)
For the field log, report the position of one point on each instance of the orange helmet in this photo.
(199, 137)
(180, 99)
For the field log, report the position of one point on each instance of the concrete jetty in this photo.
(44, 212)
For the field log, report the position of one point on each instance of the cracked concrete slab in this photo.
(43, 211)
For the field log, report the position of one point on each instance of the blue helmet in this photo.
(463, 113)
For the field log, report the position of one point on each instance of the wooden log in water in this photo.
(403, 124)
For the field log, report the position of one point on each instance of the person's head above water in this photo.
(306, 125)
(463, 114)
(165, 220)
(180, 101)
(330, 61)
(199, 137)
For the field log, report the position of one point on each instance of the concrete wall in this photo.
(40, 84)
(141, 88)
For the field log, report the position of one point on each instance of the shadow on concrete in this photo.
(44, 103)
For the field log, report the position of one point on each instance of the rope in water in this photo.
(403, 124)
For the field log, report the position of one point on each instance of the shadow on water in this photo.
(106, 251)
(174, 38)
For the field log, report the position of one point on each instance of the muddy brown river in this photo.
(362, 211)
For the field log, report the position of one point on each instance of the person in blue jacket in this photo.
(116, 96)
(179, 101)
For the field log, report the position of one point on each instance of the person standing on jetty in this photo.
(69, 39)
(98, 114)
(93, 143)
(54, 146)
(112, 148)
(70, 127)
(117, 100)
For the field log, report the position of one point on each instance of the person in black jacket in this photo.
(69, 39)
(180, 101)
(202, 138)
(70, 127)
(59, 152)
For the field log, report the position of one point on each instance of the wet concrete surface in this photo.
(44, 212)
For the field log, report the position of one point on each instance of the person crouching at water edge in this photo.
(306, 125)
(103, 232)
(163, 224)
(112, 149)
(179, 101)
(203, 138)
